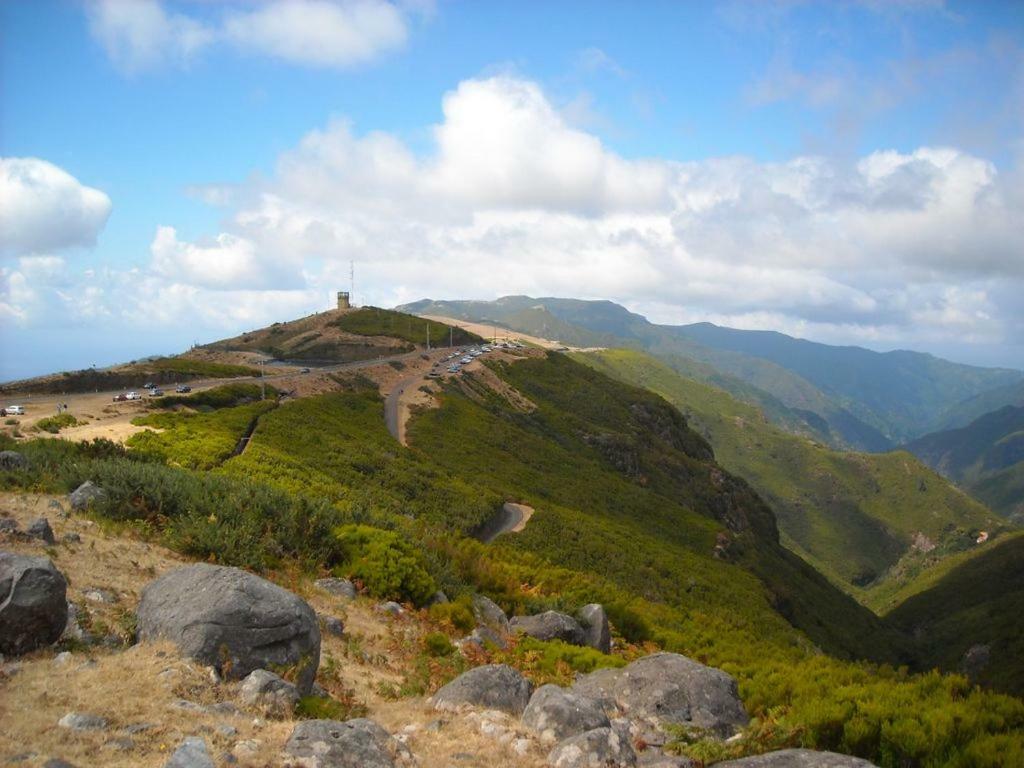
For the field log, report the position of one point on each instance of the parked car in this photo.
(13, 410)
(149, 385)
(304, 370)
(183, 389)
(154, 392)
(120, 398)
(466, 360)
(133, 395)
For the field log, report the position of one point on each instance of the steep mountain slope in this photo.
(986, 457)
(978, 603)
(869, 400)
(963, 413)
(870, 522)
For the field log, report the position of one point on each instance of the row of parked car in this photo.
(466, 356)
(152, 390)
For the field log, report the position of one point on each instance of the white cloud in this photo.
(322, 33)
(896, 248)
(140, 34)
(43, 208)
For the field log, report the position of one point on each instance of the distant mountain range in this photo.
(986, 457)
(848, 397)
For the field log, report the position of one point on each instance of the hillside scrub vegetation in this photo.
(373, 321)
(631, 511)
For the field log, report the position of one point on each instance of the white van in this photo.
(14, 410)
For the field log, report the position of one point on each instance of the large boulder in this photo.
(669, 688)
(489, 614)
(493, 686)
(191, 753)
(33, 603)
(12, 460)
(599, 748)
(596, 631)
(337, 587)
(85, 495)
(550, 625)
(555, 714)
(233, 621)
(798, 758)
(358, 743)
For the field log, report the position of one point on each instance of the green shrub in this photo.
(438, 644)
(54, 424)
(555, 661)
(386, 563)
(459, 614)
(325, 708)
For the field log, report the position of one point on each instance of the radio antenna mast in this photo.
(352, 279)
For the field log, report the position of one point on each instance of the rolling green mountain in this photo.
(978, 602)
(868, 400)
(872, 523)
(963, 413)
(986, 457)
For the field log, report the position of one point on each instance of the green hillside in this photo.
(978, 602)
(963, 413)
(986, 457)
(869, 400)
(870, 522)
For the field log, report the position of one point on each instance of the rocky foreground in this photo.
(119, 653)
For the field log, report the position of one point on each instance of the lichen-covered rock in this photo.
(797, 758)
(233, 621)
(550, 625)
(13, 460)
(33, 603)
(489, 614)
(268, 691)
(85, 495)
(40, 529)
(191, 753)
(669, 688)
(493, 686)
(77, 721)
(358, 743)
(599, 748)
(596, 631)
(337, 587)
(555, 714)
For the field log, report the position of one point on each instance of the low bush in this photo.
(54, 424)
(457, 614)
(437, 644)
(386, 563)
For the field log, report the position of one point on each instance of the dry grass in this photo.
(141, 684)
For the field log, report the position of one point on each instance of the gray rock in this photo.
(390, 607)
(975, 659)
(72, 628)
(555, 714)
(232, 620)
(334, 625)
(71, 538)
(78, 721)
(86, 495)
(550, 625)
(33, 603)
(100, 595)
(337, 587)
(358, 743)
(485, 636)
(12, 460)
(191, 753)
(596, 631)
(604, 747)
(8, 525)
(489, 614)
(669, 688)
(266, 690)
(797, 758)
(493, 686)
(57, 762)
(651, 759)
(438, 598)
(40, 529)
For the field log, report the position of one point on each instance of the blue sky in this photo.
(177, 171)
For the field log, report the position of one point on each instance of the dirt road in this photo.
(511, 518)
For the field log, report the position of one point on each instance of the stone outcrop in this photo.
(489, 614)
(493, 686)
(668, 688)
(555, 714)
(358, 743)
(596, 632)
(550, 625)
(269, 692)
(33, 603)
(798, 758)
(85, 495)
(605, 747)
(233, 621)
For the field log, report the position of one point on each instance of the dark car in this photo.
(304, 370)
(120, 398)
(183, 389)
(149, 385)
(154, 392)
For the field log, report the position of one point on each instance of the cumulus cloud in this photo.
(320, 32)
(894, 248)
(142, 34)
(44, 208)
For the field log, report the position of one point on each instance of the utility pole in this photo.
(352, 281)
